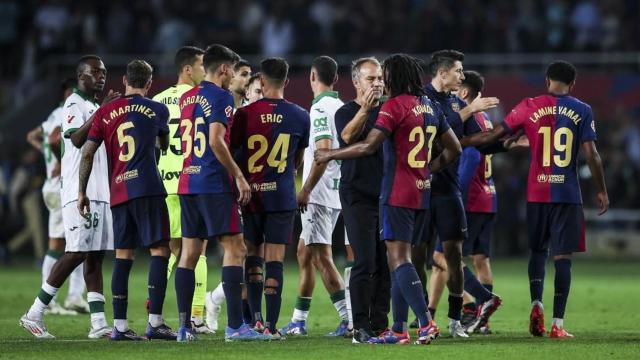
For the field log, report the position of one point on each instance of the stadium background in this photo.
(509, 42)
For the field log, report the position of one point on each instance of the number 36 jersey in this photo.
(267, 134)
(128, 127)
(556, 127)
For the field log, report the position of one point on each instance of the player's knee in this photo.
(56, 244)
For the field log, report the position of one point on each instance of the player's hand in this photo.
(83, 205)
(112, 95)
(322, 156)
(369, 100)
(517, 142)
(303, 199)
(603, 202)
(481, 104)
(244, 190)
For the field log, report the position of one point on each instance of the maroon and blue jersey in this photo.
(476, 179)
(267, 134)
(128, 127)
(447, 182)
(556, 127)
(411, 123)
(200, 107)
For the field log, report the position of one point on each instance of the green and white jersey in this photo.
(77, 110)
(323, 126)
(48, 126)
(170, 163)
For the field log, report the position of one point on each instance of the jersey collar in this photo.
(333, 94)
(84, 95)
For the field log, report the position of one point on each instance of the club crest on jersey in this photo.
(228, 111)
(423, 184)
(455, 106)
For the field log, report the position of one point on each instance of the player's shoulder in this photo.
(167, 94)
(297, 109)
(73, 100)
(577, 103)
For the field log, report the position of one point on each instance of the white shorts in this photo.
(51, 196)
(318, 223)
(94, 233)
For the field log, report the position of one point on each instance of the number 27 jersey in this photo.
(556, 127)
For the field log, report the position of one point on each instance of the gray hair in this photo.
(357, 64)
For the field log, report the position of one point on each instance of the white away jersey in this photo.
(48, 126)
(323, 126)
(77, 110)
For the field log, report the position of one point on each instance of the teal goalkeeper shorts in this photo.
(175, 227)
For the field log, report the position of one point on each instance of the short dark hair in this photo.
(275, 69)
(403, 75)
(255, 76)
(474, 82)
(241, 63)
(216, 55)
(186, 55)
(138, 73)
(563, 71)
(84, 61)
(444, 59)
(326, 68)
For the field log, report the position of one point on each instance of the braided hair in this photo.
(403, 75)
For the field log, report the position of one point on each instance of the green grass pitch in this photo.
(602, 313)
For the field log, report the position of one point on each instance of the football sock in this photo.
(247, 318)
(96, 308)
(432, 311)
(185, 280)
(562, 285)
(489, 288)
(50, 259)
(412, 291)
(347, 292)
(217, 295)
(172, 262)
(46, 294)
(273, 294)
(232, 285)
(301, 310)
(399, 307)
(339, 302)
(537, 260)
(197, 306)
(76, 281)
(157, 284)
(120, 291)
(254, 287)
(474, 287)
(455, 306)
(558, 322)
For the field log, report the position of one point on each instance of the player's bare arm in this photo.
(452, 150)
(86, 164)
(365, 147)
(221, 151)
(34, 137)
(354, 128)
(478, 104)
(163, 141)
(55, 138)
(597, 172)
(79, 137)
(315, 174)
(484, 138)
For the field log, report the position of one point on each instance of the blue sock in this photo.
(185, 286)
(273, 294)
(254, 288)
(489, 288)
(157, 285)
(232, 286)
(411, 289)
(120, 287)
(473, 286)
(455, 306)
(562, 286)
(399, 306)
(537, 260)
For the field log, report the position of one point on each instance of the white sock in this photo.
(121, 325)
(197, 320)
(76, 282)
(47, 265)
(347, 295)
(98, 319)
(155, 320)
(558, 323)
(217, 295)
(299, 315)
(537, 303)
(36, 311)
(341, 308)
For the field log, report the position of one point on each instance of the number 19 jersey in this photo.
(268, 133)
(556, 127)
(170, 164)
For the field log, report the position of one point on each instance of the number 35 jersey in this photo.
(556, 127)
(200, 107)
(267, 134)
(128, 127)
(170, 163)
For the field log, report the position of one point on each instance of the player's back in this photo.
(268, 133)
(479, 191)
(556, 127)
(129, 127)
(202, 172)
(411, 124)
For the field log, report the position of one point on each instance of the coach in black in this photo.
(359, 192)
